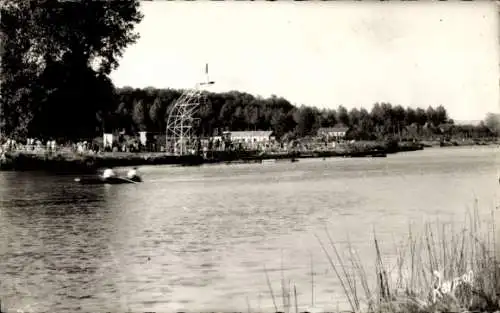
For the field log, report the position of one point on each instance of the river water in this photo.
(203, 238)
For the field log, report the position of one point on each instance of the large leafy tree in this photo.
(56, 61)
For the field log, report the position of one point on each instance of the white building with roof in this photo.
(251, 136)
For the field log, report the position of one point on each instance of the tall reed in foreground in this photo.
(438, 270)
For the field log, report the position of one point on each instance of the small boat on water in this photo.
(293, 160)
(379, 155)
(368, 155)
(107, 181)
(110, 178)
(270, 161)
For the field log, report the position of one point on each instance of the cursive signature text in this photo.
(449, 286)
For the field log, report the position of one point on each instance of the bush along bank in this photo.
(22, 161)
(74, 163)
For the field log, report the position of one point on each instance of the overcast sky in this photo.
(325, 53)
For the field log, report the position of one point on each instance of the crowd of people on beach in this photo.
(30, 144)
(34, 145)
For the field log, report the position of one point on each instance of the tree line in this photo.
(147, 109)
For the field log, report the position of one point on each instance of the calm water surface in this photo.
(198, 238)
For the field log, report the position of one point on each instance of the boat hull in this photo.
(107, 181)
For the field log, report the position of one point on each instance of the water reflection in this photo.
(54, 235)
(198, 238)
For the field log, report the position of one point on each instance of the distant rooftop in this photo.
(250, 133)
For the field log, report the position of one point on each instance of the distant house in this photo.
(337, 132)
(251, 136)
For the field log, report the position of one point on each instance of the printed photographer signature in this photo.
(449, 286)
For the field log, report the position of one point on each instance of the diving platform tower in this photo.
(181, 138)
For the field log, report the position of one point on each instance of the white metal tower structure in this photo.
(180, 136)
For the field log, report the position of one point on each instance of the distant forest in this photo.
(147, 109)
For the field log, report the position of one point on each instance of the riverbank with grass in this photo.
(67, 161)
(438, 269)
